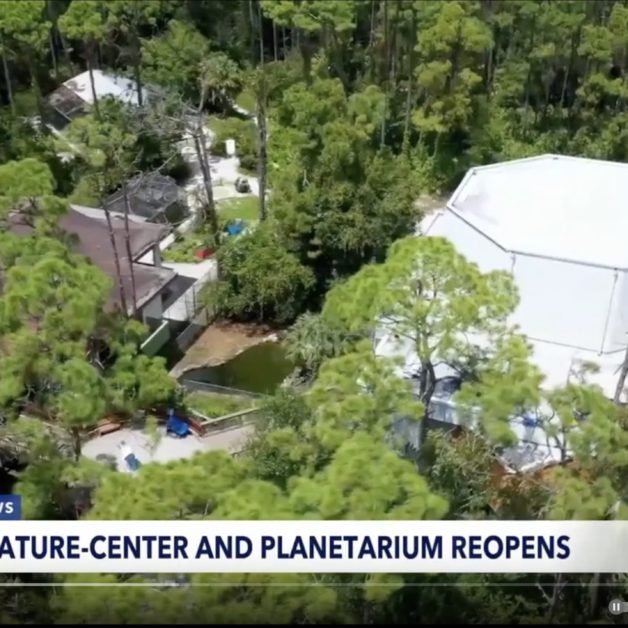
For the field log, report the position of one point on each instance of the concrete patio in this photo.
(167, 449)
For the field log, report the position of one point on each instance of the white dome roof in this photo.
(568, 208)
(558, 224)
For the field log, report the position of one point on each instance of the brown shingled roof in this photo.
(93, 241)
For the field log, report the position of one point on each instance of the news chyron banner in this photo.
(313, 547)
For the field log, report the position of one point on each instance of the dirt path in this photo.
(221, 342)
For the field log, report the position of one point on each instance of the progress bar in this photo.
(617, 607)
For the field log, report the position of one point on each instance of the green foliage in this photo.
(247, 100)
(86, 192)
(20, 140)
(24, 24)
(84, 20)
(47, 485)
(107, 146)
(358, 484)
(153, 433)
(20, 605)
(136, 381)
(336, 200)
(275, 451)
(30, 185)
(311, 16)
(50, 310)
(504, 382)
(50, 301)
(260, 280)
(368, 104)
(220, 79)
(24, 178)
(160, 493)
(54, 324)
(453, 39)
(441, 304)
(358, 391)
(216, 404)
(362, 478)
(313, 339)
(278, 77)
(129, 18)
(184, 248)
(424, 280)
(468, 487)
(355, 393)
(174, 59)
(594, 487)
(40, 483)
(113, 146)
(244, 208)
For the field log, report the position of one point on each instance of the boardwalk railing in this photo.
(193, 385)
(235, 420)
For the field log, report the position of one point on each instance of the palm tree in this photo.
(220, 79)
(312, 340)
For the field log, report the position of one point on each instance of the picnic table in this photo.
(177, 426)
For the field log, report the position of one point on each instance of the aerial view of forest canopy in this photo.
(351, 121)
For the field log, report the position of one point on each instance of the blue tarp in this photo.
(177, 426)
(235, 228)
(132, 462)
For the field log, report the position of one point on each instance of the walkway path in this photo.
(168, 448)
(224, 171)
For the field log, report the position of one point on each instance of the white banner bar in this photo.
(313, 547)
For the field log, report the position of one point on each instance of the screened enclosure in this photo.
(152, 197)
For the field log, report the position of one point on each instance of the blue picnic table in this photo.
(177, 426)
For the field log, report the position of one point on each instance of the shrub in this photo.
(260, 280)
(86, 192)
(183, 249)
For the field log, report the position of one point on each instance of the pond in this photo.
(260, 368)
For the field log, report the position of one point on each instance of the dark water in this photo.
(259, 369)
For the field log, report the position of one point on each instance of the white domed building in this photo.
(560, 226)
